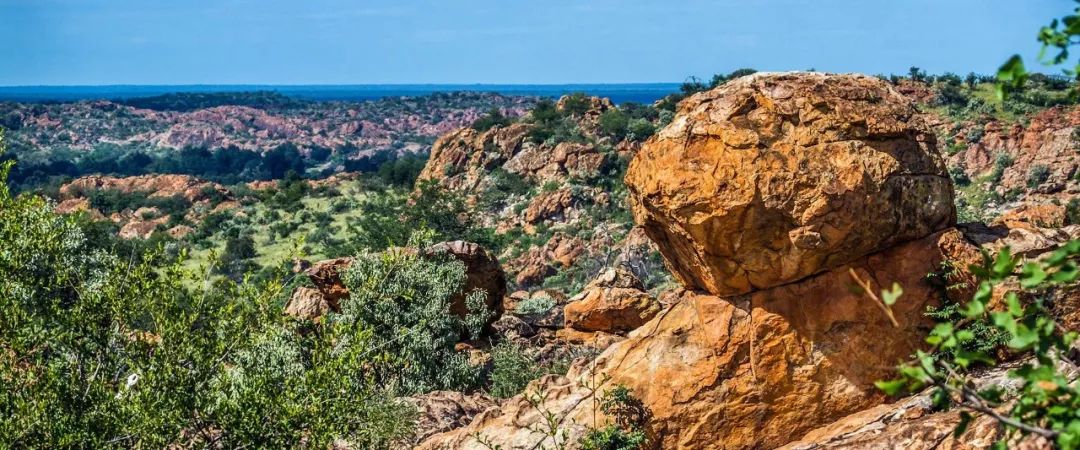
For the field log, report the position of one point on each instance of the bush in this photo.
(535, 306)
(1072, 212)
(404, 300)
(512, 369)
(959, 176)
(1038, 175)
(98, 352)
(494, 118)
(614, 123)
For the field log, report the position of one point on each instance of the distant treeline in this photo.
(191, 101)
(229, 165)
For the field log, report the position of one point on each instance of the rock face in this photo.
(190, 188)
(750, 371)
(616, 302)
(308, 304)
(445, 410)
(771, 178)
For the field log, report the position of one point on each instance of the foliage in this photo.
(389, 217)
(190, 101)
(98, 352)
(512, 369)
(535, 306)
(1047, 404)
(1058, 37)
(1072, 212)
(959, 176)
(404, 299)
(628, 430)
(614, 123)
(1038, 175)
(494, 118)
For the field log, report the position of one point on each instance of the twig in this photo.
(870, 293)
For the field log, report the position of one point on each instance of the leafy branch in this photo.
(1047, 403)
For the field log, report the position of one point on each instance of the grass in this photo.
(272, 249)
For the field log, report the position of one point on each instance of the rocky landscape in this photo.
(703, 261)
(762, 196)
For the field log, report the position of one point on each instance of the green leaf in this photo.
(1004, 264)
(1014, 304)
(890, 296)
(1068, 273)
(965, 420)
(891, 387)
(1032, 275)
(1010, 76)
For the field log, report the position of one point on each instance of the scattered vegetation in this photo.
(1047, 404)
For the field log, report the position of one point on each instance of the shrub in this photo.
(959, 176)
(99, 352)
(641, 129)
(1038, 175)
(535, 306)
(512, 369)
(1072, 212)
(1001, 162)
(627, 432)
(494, 118)
(404, 300)
(614, 123)
(576, 104)
(1046, 403)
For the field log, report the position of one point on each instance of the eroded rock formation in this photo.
(763, 195)
(774, 177)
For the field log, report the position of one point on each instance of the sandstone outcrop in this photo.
(615, 302)
(190, 188)
(309, 304)
(749, 371)
(441, 411)
(763, 196)
(771, 178)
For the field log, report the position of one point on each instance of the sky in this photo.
(104, 42)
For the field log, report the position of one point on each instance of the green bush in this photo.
(100, 352)
(1072, 212)
(404, 300)
(614, 123)
(959, 176)
(1038, 175)
(494, 118)
(512, 369)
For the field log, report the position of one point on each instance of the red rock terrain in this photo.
(764, 345)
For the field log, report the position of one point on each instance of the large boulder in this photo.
(616, 302)
(771, 178)
(748, 371)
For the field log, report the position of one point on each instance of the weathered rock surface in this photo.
(913, 423)
(326, 276)
(190, 188)
(309, 304)
(441, 411)
(750, 371)
(771, 178)
(616, 302)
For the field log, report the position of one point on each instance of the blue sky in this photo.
(77, 42)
